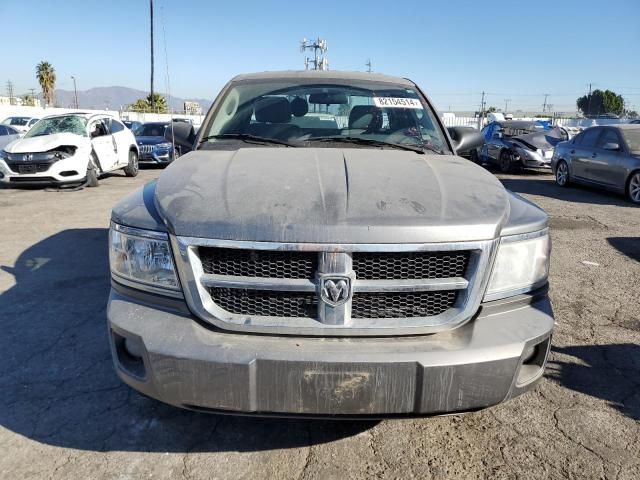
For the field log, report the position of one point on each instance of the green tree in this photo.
(600, 102)
(28, 100)
(491, 110)
(144, 104)
(46, 76)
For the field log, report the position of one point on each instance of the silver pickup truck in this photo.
(323, 251)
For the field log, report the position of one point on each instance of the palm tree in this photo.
(46, 76)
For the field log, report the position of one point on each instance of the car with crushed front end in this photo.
(606, 157)
(69, 149)
(514, 145)
(324, 251)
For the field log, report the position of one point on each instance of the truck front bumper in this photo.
(165, 353)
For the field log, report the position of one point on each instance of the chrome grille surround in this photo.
(334, 259)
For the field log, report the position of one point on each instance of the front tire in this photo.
(132, 168)
(505, 162)
(562, 174)
(92, 171)
(633, 188)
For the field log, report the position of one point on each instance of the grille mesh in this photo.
(410, 265)
(26, 167)
(402, 305)
(259, 263)
(265, 303)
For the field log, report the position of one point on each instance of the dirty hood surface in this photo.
(330, 195)
(44, 143)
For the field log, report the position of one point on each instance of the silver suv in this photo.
(324, 251)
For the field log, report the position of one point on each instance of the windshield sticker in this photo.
(393, 102)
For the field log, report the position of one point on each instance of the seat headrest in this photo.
(368, 117)
(273, 110)
(299, 107)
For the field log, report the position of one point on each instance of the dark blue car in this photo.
(154, 143)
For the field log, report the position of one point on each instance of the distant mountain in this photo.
(113, 98)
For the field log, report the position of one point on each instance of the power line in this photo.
(10, 91)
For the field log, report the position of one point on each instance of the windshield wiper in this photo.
(248, 138)
(369, 141)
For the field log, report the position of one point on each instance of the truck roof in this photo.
(324, 75)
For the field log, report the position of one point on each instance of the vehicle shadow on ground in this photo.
(609, 372)
(58, 383)
(629, 246)
(544, 185)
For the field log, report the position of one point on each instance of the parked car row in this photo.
(76, 148)
(607, 157)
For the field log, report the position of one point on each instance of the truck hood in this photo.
(45, 143)
(329, 195)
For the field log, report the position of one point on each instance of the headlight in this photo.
(526, 153)
(142, 259)
(3, 155)
(161, 146)
(521, 265)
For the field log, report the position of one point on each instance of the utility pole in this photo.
(153, 100)
(75, 91)
(506, 104)
(368, 65)
(481, 117)
(319, 63)
(589, 105)
(544, 105)
(10, 91)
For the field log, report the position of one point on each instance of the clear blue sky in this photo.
(512, 49)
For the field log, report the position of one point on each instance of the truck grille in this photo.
(299, 265)
(261, 303)
(333, 290)
(145, 149)
(259, 263)
(408, 265)
(402, 305)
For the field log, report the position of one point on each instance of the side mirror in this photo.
(465, 139)
(497, 135)
(611, 146)
(183, 134)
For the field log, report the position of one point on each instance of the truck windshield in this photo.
(62, 124)
(361, 114)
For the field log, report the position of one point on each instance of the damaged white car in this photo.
(70, 149)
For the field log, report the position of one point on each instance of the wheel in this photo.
(176, 153)
(506, 165)
(562, 173)
(131, 170)
(633, 188)
(474, 157)
(92, 171)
